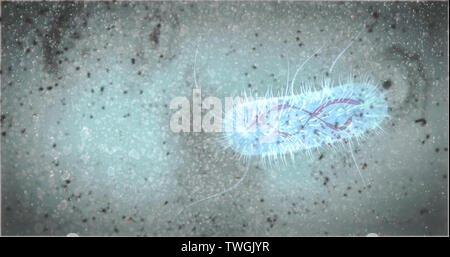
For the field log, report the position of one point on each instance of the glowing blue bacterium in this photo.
(274, 126)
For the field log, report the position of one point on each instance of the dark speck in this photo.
(154, 36)
(376, 15)
(326, 181)
(387, 84)
(133, 61)
(422, 121)
(76, 35)
(424, 211)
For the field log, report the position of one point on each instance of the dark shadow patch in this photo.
(424, 211)
(154, 36)
(62, 24)
(418, 83)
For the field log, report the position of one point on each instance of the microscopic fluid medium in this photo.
(312, 118)
(274, 126)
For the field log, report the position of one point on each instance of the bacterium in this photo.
(275, 126)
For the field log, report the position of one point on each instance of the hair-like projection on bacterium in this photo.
(274, 126)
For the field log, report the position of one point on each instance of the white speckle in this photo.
(85, 158)
(134, 154)
(85, 133)
(38, 228)
(65, 175)
(62, 205)
(67, 149)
